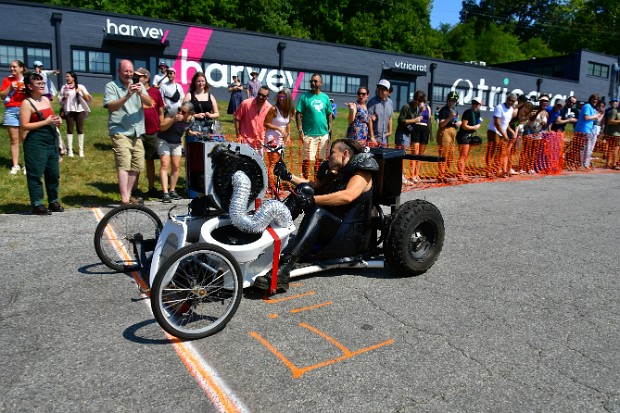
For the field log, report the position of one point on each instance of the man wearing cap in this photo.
(380, 110)
(153, 116)
(124, 101)
(612, 133)
(314, 124)
(172, 93)
(50, 89)
(497, 135)
(251, 88)
(160, 78)
(446, 134)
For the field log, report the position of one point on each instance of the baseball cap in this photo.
(37, 63)
(163, 63)
(384, 83)
(522, 98)
(543, 98)
(171, 69)
(475, 102)
(453, 95)
(613, 100)
(143, 72)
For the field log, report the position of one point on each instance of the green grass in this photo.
(91, 181)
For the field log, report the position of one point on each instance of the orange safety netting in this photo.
(546, 153)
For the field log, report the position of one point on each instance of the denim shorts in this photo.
(169, 149)
(11, 116)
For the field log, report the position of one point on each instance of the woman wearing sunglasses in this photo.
(359, 119)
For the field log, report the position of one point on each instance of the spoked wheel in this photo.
(119, 230)
(196, 291)
(415, 238)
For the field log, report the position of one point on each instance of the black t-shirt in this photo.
(473, 118)
(444, 113)
(565, 113)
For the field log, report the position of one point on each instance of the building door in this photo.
(402, 93)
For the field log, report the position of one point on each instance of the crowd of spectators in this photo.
(148, 118)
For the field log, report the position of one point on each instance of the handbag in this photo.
(62, 113)
(475, 140)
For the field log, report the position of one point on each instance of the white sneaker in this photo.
(24, 170)
(406, 181)
(513, 172)
(521, 172)
(71, 155)
(14, 170)
(81, 154)
(532, 172)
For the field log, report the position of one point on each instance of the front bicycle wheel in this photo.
(119, 230)
(196, 291)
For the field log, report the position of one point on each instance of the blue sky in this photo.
(445, 11)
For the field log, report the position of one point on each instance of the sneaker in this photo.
(70, 154)
(513, 172)
(174, 195)
(532, 172)
(56, 207)
(81, 154)
(166, 199)
(521, 172)
(406, 181)
(14, 170)
(136, 200)
(41, 210)
(153, 193)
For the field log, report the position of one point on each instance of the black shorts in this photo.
(420, 134)
(463, 138)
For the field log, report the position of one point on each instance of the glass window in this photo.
(598, 70)
(10, 53)
(339, 84)
(44, 55)
(98, 62)
(327, 83)
(353, 83)
(79, 61)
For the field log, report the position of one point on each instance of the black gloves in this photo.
(280, 171)
(305, 196)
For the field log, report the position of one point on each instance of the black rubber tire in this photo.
(123, 224)
(415, 238)
(196, 291)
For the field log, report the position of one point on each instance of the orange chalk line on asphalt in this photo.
(206, 377)
(297, 372)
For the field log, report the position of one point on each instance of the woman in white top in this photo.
(277, 123)
(74, 99)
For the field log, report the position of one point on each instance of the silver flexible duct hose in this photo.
(269, 211)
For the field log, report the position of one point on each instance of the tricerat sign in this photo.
(478, 92)
(133, 30)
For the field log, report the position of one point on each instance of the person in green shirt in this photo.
(314, 124)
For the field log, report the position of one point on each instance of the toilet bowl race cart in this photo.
(199, 263)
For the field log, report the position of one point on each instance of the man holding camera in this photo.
(124, 98)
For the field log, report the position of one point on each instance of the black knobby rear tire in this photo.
(415, 238)
(115, 235)
(196, 291)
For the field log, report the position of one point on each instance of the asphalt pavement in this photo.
(520, 313)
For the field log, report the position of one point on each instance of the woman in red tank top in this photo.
(41, 153)
(12, 93)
